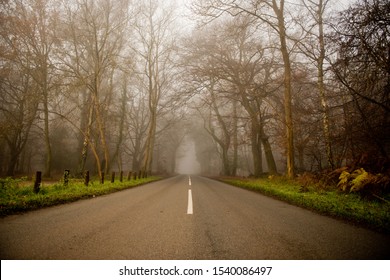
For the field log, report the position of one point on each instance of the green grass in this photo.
(18, 196)
(350, 207)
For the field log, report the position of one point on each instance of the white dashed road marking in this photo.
(189, 207)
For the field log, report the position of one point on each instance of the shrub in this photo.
(365, 183)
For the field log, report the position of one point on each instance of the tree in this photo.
(312, 44)
(93, 39)
(40, 17)
(362, 36)
(229, 57)
(19, 90)
(272, 13)
(220, 132)
(31, 22)
(207, 153)
(138, 126)
(18, 111)
(108, 72)
(154, 27)
(216, 104)
(361, 39)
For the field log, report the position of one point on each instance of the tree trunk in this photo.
(321, 88)
(148, 158)
(279, 11)
(269, 155)
(84, 151)
(256, 150)
(12, 163)
(101, 130)
(225, 162)
(121, 128)
(255, 135)
(135, 165)
(48, 161)
(235, 140)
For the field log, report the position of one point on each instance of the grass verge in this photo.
(350, 207)
(16, 196)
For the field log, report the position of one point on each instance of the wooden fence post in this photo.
(135, 175)
(102, 179)
(121, 176)
(66, 177)
(38, 180)
(86, 178)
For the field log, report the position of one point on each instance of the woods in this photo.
(260, 87)
(91, 74)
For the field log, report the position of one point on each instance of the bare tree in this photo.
(154, 25)
(18, 109)
(94, 34)
(229, 54)
(20, 86)
(30, 22)
(138, 126)
(216, 104)
(272, 13)
(361, 42)
(312, 44)
(220, 132)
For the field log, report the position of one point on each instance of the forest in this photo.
(259, 88)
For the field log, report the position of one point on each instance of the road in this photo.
(158, 221)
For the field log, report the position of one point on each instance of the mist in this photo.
(186, 162)
(110, 86)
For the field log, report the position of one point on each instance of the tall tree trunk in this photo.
(255, 134)
(135, 165)
(235, 140)
(121, 128)
(225, 162)
(14, 156)
(256, 149)
(148, 157)
(48, 161)
(321, 86)
(279, 11)
(87, 135)
(226, 140)
(268, 154)
(100, 124)
(325, 119)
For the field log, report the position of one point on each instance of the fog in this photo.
(186, 162)
(109, 86)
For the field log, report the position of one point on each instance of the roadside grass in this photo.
(350, 207)
(17, 195)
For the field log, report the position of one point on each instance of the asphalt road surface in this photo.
(184, 218)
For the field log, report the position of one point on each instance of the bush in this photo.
(360, 181)
(316, 182)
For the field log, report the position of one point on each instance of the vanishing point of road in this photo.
(185, 217)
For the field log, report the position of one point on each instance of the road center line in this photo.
(189, 180)
(189, 207)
